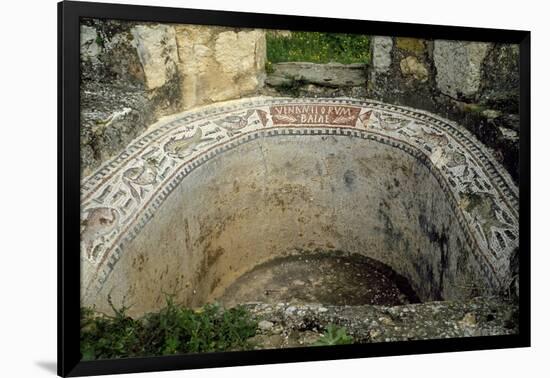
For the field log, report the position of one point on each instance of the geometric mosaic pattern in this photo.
(119, 198)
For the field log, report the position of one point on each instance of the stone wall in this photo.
(473, 83)
(134, 73)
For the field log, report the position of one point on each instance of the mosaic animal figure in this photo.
(181, 147)
(456, 159)
(483, 208)
(431, 138)
(234, 123)
(99, 222)
(391, 123)
(138, 177)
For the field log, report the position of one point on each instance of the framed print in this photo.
(240, 188)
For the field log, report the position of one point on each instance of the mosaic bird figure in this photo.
(181, 147)
(139, 177)
(99, 222)
(431, 138)
(234, 123)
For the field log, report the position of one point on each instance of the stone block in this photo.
(218, 63)
(157, 51)
(381, 53)
(458, 65)
(411, 45)
(412, 67)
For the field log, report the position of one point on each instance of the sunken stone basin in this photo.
(205, 197)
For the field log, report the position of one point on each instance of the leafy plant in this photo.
(318, 47)
(102, 335)
(334, 336)
(174, 329)
(269, 67)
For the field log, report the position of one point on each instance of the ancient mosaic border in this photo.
(493, 167)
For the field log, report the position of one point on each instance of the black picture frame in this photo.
(69, 357)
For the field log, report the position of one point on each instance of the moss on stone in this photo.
(474, 108)
(414, 45)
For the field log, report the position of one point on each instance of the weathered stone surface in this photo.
(128, 80)
(475, 84)
(111, 116)
(410, 66)
(115, 58)
(458, 66)
(271, 170)
(157, 52)
(329, 75)
(381, 53)
(482, 316)
(217, 63)
(406, 76)
(143, 67)
(235, 51)
(300, 79)
(412, 45)
(89, 49)
(265, 325)
(500, 78)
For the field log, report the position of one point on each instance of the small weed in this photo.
(100, 42)
(334, 336)
(174, 329)
(269, 68)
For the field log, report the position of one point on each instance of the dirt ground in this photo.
(321, 278)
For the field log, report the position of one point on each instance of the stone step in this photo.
(328, 75)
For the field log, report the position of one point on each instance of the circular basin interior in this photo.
(268, 221)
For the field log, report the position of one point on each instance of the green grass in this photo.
(172, 330)
(318, 48)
